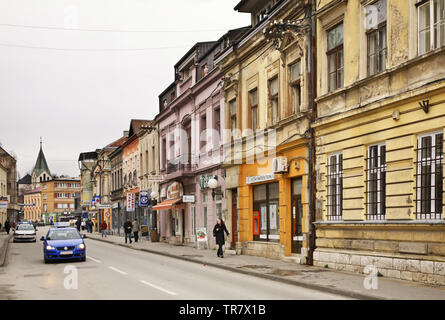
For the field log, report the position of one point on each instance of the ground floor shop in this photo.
(268, 207)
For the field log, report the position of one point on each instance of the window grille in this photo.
(376, 173)
(335, 187)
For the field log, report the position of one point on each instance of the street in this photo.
(115, 272)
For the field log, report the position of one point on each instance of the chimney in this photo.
(126, 133)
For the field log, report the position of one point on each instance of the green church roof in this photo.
(41, 165)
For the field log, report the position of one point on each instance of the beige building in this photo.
(148, 150)
(33, 204)
(379, 137)
(3, 193)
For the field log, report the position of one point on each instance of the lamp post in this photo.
(212, 184)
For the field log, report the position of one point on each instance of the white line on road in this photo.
(159, 288)
(117, 270)
(95, 260)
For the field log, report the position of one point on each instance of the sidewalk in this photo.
(326, 280)
(4, 240)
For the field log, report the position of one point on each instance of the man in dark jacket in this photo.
(78, 224)
(218, 233)
(127, 229)
(7, 226)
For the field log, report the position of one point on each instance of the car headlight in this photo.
(50, 248)
(81, 246)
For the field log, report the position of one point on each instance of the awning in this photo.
(167, 204)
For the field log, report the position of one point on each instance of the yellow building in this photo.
(3, 194)
(58, 197)
(266, 139)
(33, 204)
(379, 137)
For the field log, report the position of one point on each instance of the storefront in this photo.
(273, 205)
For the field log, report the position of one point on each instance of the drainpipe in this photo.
(311, 62)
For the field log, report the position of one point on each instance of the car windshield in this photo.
(63, 234)
(25, 227)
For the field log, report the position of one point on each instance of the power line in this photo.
(106, 30)
(88, 49)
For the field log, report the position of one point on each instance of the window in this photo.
(266, 202)
(376, 37)
(335, 58)
(431, 25)
(218, 200)
(253, 103)
(203, 136)
(273, 100)
(430, 176)
(164, 153)
(295, 80)
(204, 209)
(376, 182)
(204, 70)
(186, 74)
(232, 111)
(217, 117)
(335, 187)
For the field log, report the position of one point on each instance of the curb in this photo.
(306, 285)
(4, 249)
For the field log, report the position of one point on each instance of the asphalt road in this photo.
(115, 272)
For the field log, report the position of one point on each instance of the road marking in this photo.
(117, 270)
(159, 288)
(95, 260)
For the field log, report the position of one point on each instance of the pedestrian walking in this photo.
(127, 229)
(136, 230)
(7, 226)
(218, 233)
(89, 224)
(103, 228)
(78, 223)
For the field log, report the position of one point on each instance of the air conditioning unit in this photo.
(280, 165)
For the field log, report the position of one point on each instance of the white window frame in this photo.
(432, 25)
(433, 162)
(379, 170)
(339, 186)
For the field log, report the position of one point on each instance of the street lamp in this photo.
(212, 184)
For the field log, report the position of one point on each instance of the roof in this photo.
(26, 179)
(117, 143)
(41, 165)
(36, 190)
(84, 156)
(135, 126)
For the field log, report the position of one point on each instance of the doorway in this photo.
(234, 230)
(296, 215)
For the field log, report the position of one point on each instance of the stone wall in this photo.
(263, 249)
(406, 251)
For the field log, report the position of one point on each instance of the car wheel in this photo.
(83, 259)
(46, 260)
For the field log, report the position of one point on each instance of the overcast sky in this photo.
(82, 99)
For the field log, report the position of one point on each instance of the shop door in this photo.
(296, 214)
(183, 224)
(234, 218)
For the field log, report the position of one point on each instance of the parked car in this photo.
(25, 232)
(63, 243)
(41, 223)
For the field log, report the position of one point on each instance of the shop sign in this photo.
(174, 190)
(260, 178)
(131, 201)
(115, 205)
(143, 199)
(188, 198)
(201, 234)
(163, 193)
(103, 206)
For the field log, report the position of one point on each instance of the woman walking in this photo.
(218, 233)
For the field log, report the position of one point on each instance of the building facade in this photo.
(87, 161)
(117, 187)
(33, 205)
(379, 137)
(266, 145)
(3, 194)
(9, 163)
(58, 196)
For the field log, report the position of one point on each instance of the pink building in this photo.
(191, 121)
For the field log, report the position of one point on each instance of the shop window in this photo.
(335, 58)
(376, 182)
(266, 202)
(430, 176)
(335, 187)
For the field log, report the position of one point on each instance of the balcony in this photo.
(178, 167)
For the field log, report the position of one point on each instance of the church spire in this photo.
(41, 164)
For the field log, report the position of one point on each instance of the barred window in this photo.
(335, 187)
(430, 176)
(376, 182)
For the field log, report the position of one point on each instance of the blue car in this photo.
(63, 244)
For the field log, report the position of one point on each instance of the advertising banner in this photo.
(131, 202)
